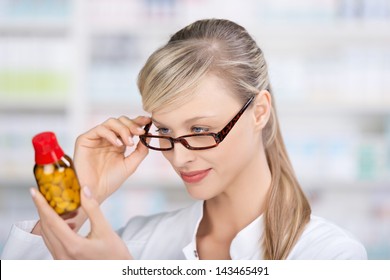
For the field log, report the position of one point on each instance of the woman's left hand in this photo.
(101, 243)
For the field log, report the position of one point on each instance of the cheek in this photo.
(233, 152)
(236, 151)
(230, 155)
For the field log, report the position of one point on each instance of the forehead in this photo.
(211, 97)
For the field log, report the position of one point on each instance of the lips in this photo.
(194, 176)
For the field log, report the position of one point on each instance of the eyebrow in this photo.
(187, 121)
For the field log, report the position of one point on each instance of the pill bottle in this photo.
(55, 174)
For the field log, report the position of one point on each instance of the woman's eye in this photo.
(199, 129)
(162, 131)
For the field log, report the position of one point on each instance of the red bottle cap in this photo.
(46, 148)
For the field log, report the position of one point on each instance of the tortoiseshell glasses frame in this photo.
(218, 137)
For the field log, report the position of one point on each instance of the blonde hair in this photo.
(224, 48)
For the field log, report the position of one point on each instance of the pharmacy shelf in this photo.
(321, 34)
(44, 29)
(337, 31)
(283, 107)
(346, 186)
(275, 35)
(152, 30)
(32, 107)
(332, 108)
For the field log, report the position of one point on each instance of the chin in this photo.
(200, 192)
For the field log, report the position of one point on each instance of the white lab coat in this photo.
(172, 235)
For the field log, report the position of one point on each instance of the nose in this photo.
(180, 155)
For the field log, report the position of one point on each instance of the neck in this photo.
(242, 202)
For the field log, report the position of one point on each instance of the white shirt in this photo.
(172, 235)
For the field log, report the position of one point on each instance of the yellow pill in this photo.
(57, 199)
(47, 186)
(63, 205)
(69, 172)
(72, 206)
(68, 195)
(55, 191)
(66, 183)
(48, 196)
(53, 203)
(46, 178)
(59, 210)
(75, 184)
(76, 188)
(77, 198)
(43, 190)
(57, 177)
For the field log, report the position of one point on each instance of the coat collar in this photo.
(246, 244)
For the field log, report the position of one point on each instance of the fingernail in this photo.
(32, 192)
(140, 129)
(119, 142)
(87, 192)
(131, 142)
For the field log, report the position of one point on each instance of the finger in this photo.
(134, 128)
(119, 128)
(142, 120)
(39, 230)
(106, 133)
(55, 247)
(99, 224)
(54, 228)
(136, 125)
(47, 213)
(136, 157)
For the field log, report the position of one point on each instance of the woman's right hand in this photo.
(99, 156)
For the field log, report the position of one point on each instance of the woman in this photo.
(213, 118)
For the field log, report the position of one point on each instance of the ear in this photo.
(262, 109)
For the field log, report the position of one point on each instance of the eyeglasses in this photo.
(200, 141)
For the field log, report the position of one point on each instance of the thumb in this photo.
(99, 224)
(136, 157)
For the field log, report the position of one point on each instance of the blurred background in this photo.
(67, 65)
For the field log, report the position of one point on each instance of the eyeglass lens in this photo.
(198, 141)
